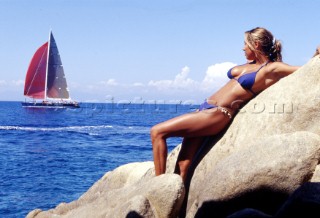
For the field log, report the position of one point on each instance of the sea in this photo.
(54, 155)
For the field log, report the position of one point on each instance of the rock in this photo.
(316, 175)
(289, 106)
(249, 213)
(304, 202)
(138, 206)
(260, 176)
(117, 196)
(270, 150)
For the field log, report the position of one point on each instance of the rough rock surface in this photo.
(122, 193)
(290, 106)
(270, 150)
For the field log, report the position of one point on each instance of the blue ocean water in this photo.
(49, 156)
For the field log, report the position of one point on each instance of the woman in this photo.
(263, 69)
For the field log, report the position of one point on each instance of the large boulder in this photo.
(260, 176)
(289, 108)
(270, 150)
(122, 193)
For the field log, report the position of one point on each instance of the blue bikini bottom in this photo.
(205, 106)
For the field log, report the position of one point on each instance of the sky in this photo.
(147, 50)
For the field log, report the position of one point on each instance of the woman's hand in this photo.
(317, 51)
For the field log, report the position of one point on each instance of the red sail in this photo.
(36, 75)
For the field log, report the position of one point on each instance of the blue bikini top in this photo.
(247, 80)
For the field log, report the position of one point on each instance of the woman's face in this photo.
(248, 52)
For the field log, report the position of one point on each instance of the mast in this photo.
(46, 80)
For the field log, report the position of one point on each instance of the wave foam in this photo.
(90, 130)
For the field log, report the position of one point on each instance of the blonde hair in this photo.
(269, 47)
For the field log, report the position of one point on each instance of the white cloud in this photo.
(109, 82)
(3, 82)
(181, 81)
(12, 83)
(216, 76)
(180, 87)
(74, 85)
(18, 82)
(138, 84)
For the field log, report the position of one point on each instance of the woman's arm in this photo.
(317, 51)
(280, 70)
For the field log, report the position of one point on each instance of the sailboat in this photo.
(45, 79)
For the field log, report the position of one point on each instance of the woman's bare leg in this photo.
(191, 125)
(160, 152)
(188, 150)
